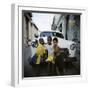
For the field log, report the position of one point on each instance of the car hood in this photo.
(65, 43)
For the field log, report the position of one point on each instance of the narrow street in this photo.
(70, 68)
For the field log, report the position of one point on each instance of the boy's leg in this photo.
(53, 69)
(60, 64)
(49, 68)
(37, 70)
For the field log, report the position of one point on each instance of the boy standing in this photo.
(40, 51)
(50, 62)
(59, 61)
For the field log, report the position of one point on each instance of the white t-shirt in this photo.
(50, 49)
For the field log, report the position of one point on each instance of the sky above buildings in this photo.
(43, 20)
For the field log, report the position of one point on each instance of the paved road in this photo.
(70, 68)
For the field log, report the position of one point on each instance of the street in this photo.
(69, 68)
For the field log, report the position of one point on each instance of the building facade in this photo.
(29, 28)
(68, 25)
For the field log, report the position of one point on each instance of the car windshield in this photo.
(52, 34)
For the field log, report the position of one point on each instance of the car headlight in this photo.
(72, 47)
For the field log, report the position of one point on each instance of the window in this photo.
(60, 27)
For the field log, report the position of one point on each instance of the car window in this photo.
(55, 34)
(46, 34)
(59, 35)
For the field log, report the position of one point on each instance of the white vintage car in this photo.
(62, 42)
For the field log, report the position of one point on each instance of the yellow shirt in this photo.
(39, 51)
(50, 58)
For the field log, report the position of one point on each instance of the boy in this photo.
(59, 63)
(50, 62)
(40, 51)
